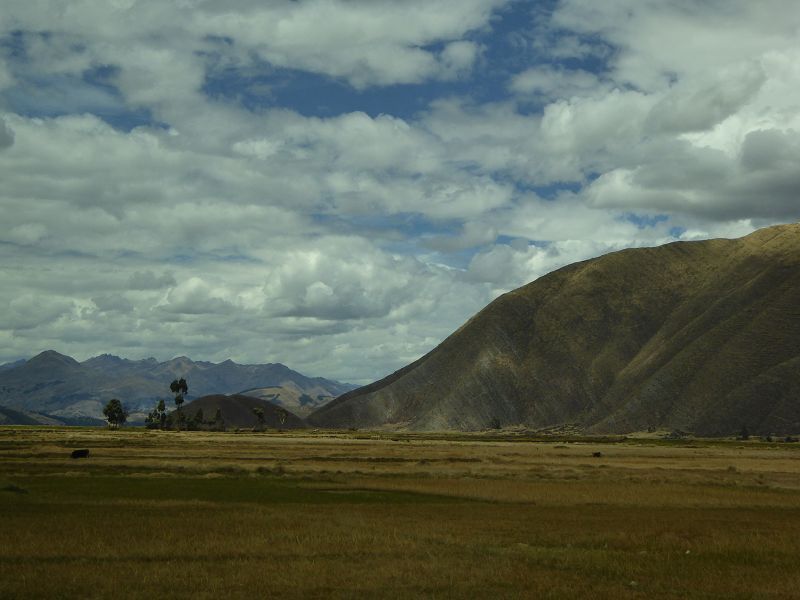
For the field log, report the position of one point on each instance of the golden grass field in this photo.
(154, 514)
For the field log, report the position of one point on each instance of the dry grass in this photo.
(153, 514)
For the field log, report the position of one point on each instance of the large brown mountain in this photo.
(698, 336)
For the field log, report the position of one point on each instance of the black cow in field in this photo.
(83, 453)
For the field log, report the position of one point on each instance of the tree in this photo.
(180, 389)
(152, 421)
(259, 413)
(191, 424)
(115, 413)
(282, 415)
(157, 418)
(744, 434)
(198, 416)
(161, 411)
(219, 422)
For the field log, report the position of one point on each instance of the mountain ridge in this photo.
(60, 386)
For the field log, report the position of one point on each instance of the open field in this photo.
(369, 515)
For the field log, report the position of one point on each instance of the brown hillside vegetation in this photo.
(699, 336)
(237, 411)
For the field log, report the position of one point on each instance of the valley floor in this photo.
(373, 515)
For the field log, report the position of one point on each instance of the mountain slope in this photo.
(300, 401)
(9, 416)
(237, 411)
(60, 386)
(700, 336)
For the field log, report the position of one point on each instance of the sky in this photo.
(338, 185)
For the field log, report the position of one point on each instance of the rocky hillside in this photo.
(698, 336)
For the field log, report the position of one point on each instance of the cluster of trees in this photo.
(178, 420)
(159, 419)
(282, 413)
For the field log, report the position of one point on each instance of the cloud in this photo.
(195, 296)
(360, 42)
(458, 57)
(470, 147)
(471, 234)
(701, 105)
(113, 303)
(29, 311)
(6, 135)
(770, 150)
(666, 135)
(340, 280)
(762, 182)
(552, 83)
(147, 280)
(6, 79)
(160, 50)
(358, 141)
(658, 42)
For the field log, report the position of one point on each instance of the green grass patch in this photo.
(222, 490)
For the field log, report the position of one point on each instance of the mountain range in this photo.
(698, 336)
(64, 388)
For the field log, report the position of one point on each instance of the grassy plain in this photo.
(374, 515)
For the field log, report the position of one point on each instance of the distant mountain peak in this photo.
(52, 357)
(104, 358)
